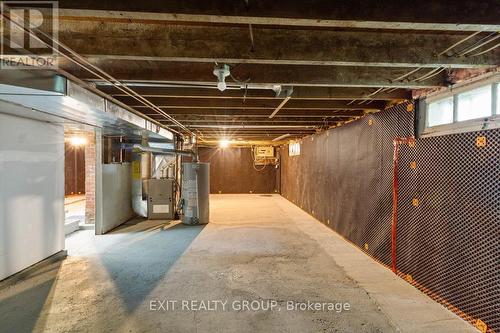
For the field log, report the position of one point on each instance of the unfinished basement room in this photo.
(250, 166)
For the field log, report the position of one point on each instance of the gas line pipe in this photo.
(395, 184)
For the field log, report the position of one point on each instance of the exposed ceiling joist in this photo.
(254, 122)
(254, 126)
(331, 93)
(427, 15)
(223, 44)
(266, 104)
(320, 121)
(342, 60)
(339, 76)
(261, 113)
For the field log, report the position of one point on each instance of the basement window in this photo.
(498, 99)
(440, 112)
(464, 109)
(474, 104)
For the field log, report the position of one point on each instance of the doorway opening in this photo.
(79, 183)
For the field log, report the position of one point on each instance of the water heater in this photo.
(195, 192)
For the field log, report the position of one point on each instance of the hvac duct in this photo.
(141, 170)
(164, 151)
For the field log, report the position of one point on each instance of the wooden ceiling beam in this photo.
(258, 113)
(457, 15)
(265, 104)
(263, 74)
(229, 44)
(346, 93)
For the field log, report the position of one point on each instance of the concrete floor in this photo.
(74, 207)
(260, 248)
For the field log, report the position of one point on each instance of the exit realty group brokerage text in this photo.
(246, 305)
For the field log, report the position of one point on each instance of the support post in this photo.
(98, 182)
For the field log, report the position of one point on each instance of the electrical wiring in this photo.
(480, 43)
(375, 92)
(252, 151)
(407, 74)
(485, 51)
(430, 74)
(460, 42)
(483, 41)
(241, 82)
(251, 37)
(259, 170)
(236, 80)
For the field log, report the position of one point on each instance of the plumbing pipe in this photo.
(395, 185)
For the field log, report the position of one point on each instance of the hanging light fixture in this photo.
(221, 72)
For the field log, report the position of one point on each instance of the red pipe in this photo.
(397, 142)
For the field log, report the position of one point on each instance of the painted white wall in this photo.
(31, 192)
(116, 195)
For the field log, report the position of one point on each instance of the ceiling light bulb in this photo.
(77, 141)
(221, 85)
(224, 143)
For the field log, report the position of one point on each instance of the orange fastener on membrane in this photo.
(481, 326)
(481, 141)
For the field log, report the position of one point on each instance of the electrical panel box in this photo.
(264, 151)
(161, 204)
(264, 155)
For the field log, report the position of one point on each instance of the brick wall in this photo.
(90, 179)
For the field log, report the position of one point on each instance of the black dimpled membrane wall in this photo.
(449, 242)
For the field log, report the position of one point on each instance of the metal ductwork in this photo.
(141, 170)
(164, 151)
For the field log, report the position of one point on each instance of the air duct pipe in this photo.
(141, 170)
(165, 151)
